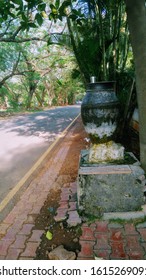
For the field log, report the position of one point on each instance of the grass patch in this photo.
(135, 221)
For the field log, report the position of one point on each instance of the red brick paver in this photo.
(63, 205)
(19, 242)
(112, 241)
(30, 250)
(102, 226)
(102, 241)
(142, 232)
(118, 250)
(130, 229)
(36, 235)
(13, 254)
(74, 218)
(87, 249)
(61, 215)
(136, 254)
(87, 234)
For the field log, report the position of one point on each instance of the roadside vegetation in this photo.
(47, 58)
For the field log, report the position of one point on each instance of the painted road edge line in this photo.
(17, 187)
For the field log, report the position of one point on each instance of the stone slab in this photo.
(107, 169)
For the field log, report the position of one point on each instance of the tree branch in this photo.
(2, 82)
(22, 40)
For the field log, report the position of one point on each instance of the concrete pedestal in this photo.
(111, 187)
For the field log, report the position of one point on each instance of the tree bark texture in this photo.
(136, 13)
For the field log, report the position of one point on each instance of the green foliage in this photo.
(43, 78)
(101, 40)
(59, 11)
(39, 18)
(65, 88)
(124, 83)
(18, 9)
(97, 33)
(67, 91)
(8, 55)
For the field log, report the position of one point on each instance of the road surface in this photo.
(23, 139)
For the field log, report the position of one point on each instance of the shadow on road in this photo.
(25, 138)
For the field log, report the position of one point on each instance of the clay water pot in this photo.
(99, 111)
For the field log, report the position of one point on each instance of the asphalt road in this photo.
(23, 139)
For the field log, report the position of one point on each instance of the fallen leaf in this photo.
(49, 235)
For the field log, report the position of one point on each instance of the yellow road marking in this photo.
(16, 188)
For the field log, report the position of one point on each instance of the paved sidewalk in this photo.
(99, 239)
(18, 239)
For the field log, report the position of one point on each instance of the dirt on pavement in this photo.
(62, 234)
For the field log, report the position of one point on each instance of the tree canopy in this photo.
(95, 31)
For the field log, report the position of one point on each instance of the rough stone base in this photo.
(106, 188)
(106, 152)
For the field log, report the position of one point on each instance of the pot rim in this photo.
(107, 85)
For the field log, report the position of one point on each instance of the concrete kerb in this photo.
(26, 179)
(125, 215)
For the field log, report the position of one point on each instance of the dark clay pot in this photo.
(99, 111)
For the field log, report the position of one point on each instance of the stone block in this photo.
(60, 253)
(104, 188)
(105, 152)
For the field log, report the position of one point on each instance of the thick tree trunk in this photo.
(32, 88)
(136, 13)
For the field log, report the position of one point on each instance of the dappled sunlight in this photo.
(18, 153)
(17, 146)
(25, 138)
(43, 124)
(40, 117)
(16, 163)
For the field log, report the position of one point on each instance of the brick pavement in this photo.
(103, 239)
(99, 239)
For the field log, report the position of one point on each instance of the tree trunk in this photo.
(32, 88)
(39, 99)
(136, 13)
